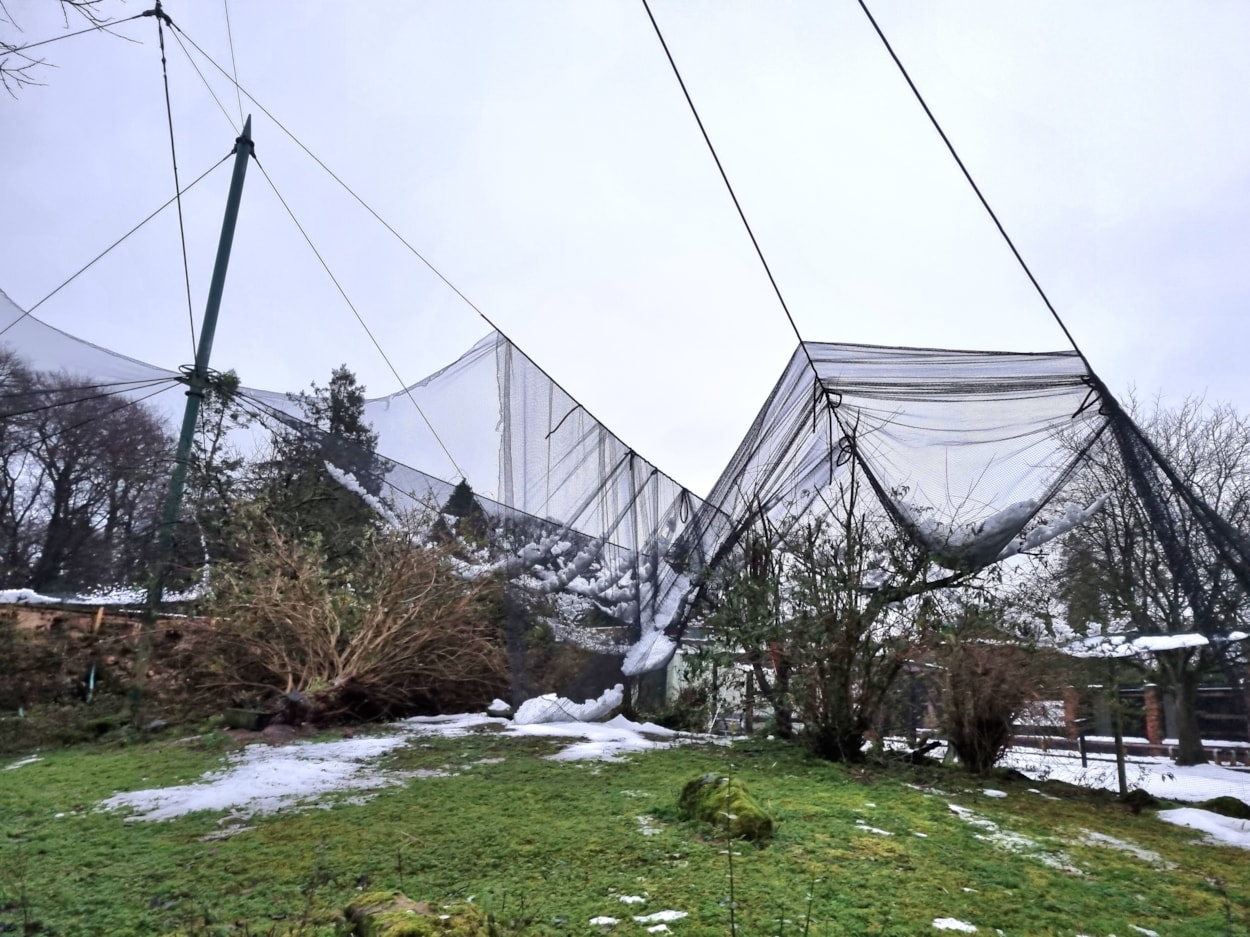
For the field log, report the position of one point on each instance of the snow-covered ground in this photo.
(1155, 775)
(266, 779)
(103, 595)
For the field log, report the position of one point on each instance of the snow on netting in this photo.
(575, 513)
(964, 448)
(579, 514)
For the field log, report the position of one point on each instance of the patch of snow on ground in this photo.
(632, 899)
(265, 779)
(861, 825)
(451, 727)
(660, 917)
(1145, 930)
(1225, 830)
(603, 921)
(646, 826)
(605, 741)
(953, 923)
(24, 597)
(990, 792)
(29, 760)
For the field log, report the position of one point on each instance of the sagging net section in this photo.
(964, 449)
(574, 512)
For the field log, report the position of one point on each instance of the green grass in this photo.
(545, 846)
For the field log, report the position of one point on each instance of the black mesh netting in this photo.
(966, 450)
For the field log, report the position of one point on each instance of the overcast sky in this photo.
(541, 156)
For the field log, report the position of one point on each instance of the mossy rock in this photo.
(391, 914)
(1227, 807)
(727, 805)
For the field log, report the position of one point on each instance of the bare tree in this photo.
(986, 656)
(80, 473)
(828, 617)
(1113, 570)
(20, 63)
(18, 489)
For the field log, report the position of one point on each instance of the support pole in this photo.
(197, 381)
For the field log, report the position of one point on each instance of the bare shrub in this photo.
(990, 676)
(396, 633)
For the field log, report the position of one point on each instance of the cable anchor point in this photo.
(160, 14)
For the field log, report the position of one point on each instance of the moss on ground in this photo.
(391, 914)
(1228, 807)
(726, 804)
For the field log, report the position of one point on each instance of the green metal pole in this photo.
(197, 383)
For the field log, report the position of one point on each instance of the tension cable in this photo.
(975, 188)
(359, 318)
(729, 186)
(106, 250)
(161, 19)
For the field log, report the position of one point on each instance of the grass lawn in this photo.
(545, 846)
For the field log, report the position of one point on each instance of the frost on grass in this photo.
(1015, 842)
(1094, 838)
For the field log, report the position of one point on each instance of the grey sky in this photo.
(541, 155)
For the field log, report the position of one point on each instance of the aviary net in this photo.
(965, 450)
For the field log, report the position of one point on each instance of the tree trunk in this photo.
(776, 692)
(1189, 748)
